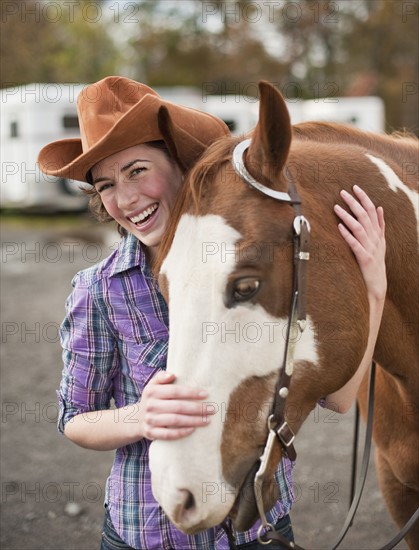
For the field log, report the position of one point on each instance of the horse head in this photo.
(227, 274)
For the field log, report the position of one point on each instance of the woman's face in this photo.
(138, 187)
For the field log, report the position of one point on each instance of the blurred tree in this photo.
(314, 32)
(200, 43)
(308, 48)
(383, 49)
(54, 42)
(362, 47)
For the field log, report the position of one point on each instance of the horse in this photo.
(226, 270)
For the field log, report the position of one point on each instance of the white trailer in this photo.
(36, 114)
(33, 115)
(366, 113)
(241, 113)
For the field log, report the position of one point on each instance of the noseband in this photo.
(278, 427)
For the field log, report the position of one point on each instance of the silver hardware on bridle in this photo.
(242, 171)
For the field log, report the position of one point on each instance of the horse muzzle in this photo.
(193, 496)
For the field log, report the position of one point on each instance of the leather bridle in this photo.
(278, 427)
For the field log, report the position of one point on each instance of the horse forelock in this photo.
(197, 181)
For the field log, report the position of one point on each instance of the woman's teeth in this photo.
(145, 214)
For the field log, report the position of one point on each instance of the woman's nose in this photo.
(128, 195)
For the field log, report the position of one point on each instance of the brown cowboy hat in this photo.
(116, 113)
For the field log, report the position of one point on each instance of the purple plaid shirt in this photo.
(114, 339)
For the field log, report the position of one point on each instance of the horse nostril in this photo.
(190, 501)
(186, 507)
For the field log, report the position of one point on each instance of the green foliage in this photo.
(199, 45)
(54, 42)
(308, 48)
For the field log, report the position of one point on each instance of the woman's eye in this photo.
(244, 289)
(103, 187)
(136, 171)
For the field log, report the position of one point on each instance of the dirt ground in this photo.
(52, 490)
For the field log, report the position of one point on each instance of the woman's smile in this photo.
(147, 215)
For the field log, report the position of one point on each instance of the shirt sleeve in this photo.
(89, 355)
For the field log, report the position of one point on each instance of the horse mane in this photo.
(199, 177)
(399, 146)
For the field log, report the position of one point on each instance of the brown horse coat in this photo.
(216, 207)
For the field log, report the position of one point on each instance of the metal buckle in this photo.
(260, 474)
(282, 438)
(304, 255)
(269, 527)
(298, 222)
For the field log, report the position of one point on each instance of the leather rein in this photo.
(278, 427)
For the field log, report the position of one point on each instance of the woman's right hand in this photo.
(165, 411)
(168, 411)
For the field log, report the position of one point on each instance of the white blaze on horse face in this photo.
(216, 348)
(395, 183)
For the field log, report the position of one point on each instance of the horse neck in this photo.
(397, 348)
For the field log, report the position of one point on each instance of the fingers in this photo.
(364, 221)
(167, 434)
(363, 228)
(362, 218)
(161, 378)
(161, 405)
(381, 222)
(173, 411)
(170, 425)
(172, 422)
(366, 204)
(350, 239)
(160, 387)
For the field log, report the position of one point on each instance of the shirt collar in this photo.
(130, 254)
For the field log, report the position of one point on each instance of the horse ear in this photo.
(271, 138)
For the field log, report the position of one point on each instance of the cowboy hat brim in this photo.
(187, 132)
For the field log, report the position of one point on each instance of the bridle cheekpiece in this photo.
(278, 427)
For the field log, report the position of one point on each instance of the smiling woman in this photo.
(135, 151)
(137, 188)
(95, 202)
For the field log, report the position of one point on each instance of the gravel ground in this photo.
(52, 490)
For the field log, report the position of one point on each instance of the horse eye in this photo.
(244, 289)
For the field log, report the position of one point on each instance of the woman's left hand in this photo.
(364, 230)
